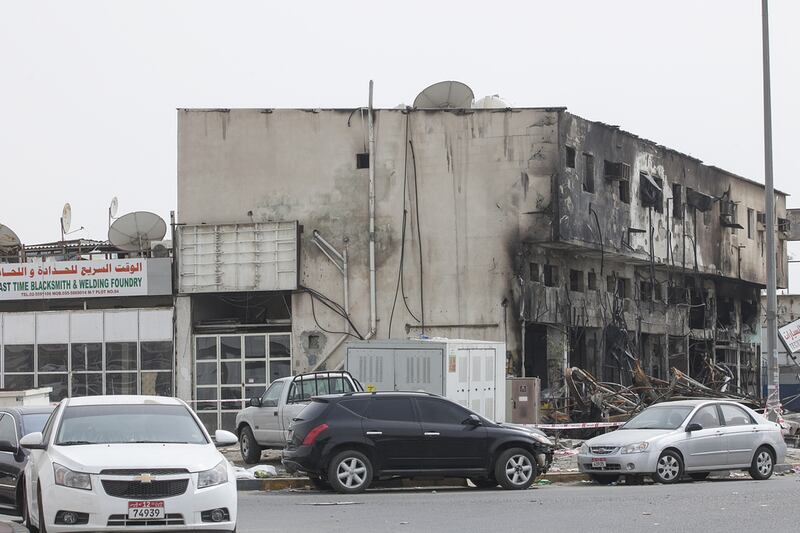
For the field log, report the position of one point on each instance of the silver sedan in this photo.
(694, 437)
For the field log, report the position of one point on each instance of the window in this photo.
(616, 171)
(534, 272)
(303, 389)
(651, 191)
(18, 361)
(551, 275)
(645, 291)
(156, 373)
(619, 286)
(122, 366)
(356, 405)
(313, 342)
(398, 409)
(576, 280)
(735, 415)
(8, 429)
(588, 173)
(592, 281)
(625, 191)
(272, 395)
(435, 411)
(707, 417)
(362, 160)
(677, 201)
(750, 222)
(570, 153)
(87, 357)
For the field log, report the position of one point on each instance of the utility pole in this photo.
(773, 372)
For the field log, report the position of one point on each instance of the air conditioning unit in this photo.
(160, 248)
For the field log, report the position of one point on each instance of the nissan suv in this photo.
(347, 441)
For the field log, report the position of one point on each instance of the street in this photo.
(710, 506)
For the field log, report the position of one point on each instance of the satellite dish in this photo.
(135, 231)
(490, 102)
(112, 209)
(8, 239)
(66, 217)
(445, 95)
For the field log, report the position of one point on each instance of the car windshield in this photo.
(31, 423)
(116, 424)
(659, 417)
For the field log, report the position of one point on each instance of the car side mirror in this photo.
(255, 402)
(8, 446)
(694, 426)
(33, 441)
(224, 438)
(473, 420)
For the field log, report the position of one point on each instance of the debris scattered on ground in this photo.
(544, 482)
(255, 472)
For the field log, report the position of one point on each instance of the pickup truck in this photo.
(265, 423)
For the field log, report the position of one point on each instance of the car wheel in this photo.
(698, 476)
(350, 472)
(485, 483)
(604, 480)
(669, 468)
(42, 526)
(763, 464)
(251, 451)
(319, 483)
(515, 469)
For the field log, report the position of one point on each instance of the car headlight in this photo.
(542, 439)
(584, 448)
(215, 476)
(636, 448)
(69, 478)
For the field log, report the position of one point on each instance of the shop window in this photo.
(18, 358)
(551, 276)
(156, 355)
(588, 172)
(121, 356)
(570, 154)
(87, 357)
(52, 357)
(576, 280)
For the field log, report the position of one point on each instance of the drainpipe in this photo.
(373, 319)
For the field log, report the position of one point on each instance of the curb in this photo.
(285, 483)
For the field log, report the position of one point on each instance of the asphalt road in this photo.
(709, 506)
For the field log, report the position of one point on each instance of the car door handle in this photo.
(275, 413)
(374, 432)
(431, 433)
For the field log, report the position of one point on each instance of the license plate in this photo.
(598, 463)
(149, 510)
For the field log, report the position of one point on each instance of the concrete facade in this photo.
(493, 224)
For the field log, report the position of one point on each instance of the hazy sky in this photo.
(90, 88)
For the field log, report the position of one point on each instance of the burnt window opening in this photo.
(727, 214)
(677, 295)
(616, 171)
(362, 160)
(726, 312)
(697, 309)
(551, 276)
(570, 153)
(701, 202)
(784, 225)
(651, 191)
(677, 201)
(617, 286)
(534, 272)
(645, 291)
(588, 173)
(592, 281)
(750, 223)
(576, 280)
(625, 191)
(313, 342)
(750, 314)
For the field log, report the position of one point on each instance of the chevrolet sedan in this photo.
(133, 463)
(694, 437)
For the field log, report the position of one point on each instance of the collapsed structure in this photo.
(575, 242)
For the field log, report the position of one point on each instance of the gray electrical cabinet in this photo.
(522, 400)
(469, 372)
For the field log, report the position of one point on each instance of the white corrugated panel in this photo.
(122, 325)
(237, 257)
(19, 328)
(155, 324)
(86, 326)
(52, 328)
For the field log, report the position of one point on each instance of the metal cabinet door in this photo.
(372, 367)
(416, 370)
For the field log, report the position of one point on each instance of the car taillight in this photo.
(313, 434)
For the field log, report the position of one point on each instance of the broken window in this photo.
(677, 201)
(616, 171)
(534, 272)
(362, 160)
(570, 153)
(551, 275)
(592, 281)
(645, 291)
(727, 214)
(651, 192)
(576, 280)
(784, 225)
(750, 223)
(588, 173)
(617, 286)
(677, 294)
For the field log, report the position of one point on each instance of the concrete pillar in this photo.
(183, 347)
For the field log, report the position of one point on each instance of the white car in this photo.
(133, 463)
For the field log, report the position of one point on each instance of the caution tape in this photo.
(580, 425)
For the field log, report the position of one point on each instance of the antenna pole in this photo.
(773, 371)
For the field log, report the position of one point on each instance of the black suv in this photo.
(346, 441)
